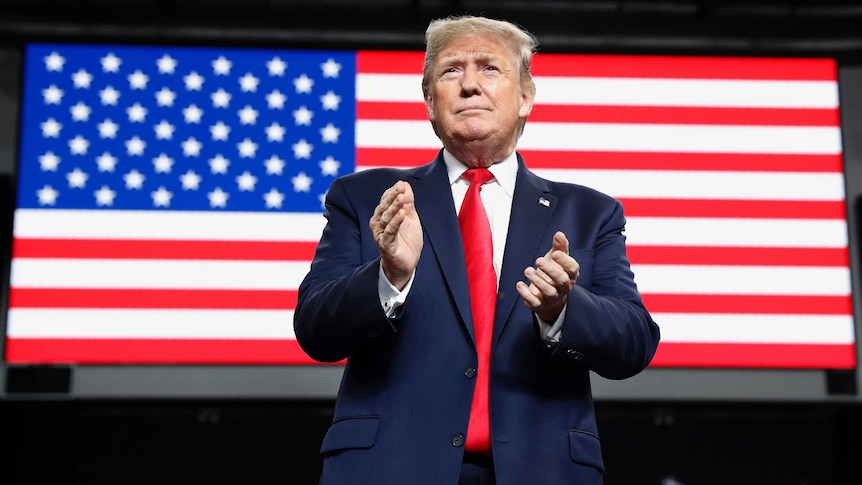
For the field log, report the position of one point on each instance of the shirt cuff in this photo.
(550, 332)
(390, 298)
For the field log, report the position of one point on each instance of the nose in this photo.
(470, 84)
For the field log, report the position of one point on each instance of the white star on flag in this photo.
(109, 96)
(82, 79)
(54, 62)
(167, 64)
(111, 63)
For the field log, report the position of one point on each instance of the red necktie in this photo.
(479, 254)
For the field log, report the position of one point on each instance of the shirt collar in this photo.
(505, 171)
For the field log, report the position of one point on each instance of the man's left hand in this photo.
(551, 280)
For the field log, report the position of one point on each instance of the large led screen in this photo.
(169, 199)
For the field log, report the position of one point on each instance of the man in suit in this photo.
(429, 395)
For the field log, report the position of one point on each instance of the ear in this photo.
(526, 105)
(429, 107)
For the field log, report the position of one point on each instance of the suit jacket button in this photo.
(458, 440)
(470, 372)
(574, 354)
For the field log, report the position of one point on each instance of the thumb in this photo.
(560, 243)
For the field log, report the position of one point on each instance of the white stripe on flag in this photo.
(624, 137)
(681, 138)
(741, 280)
(142, 323)
(161, 274)
(224, 226)
(742, 328)
(696, 231)
(673, 184)
(723, 93)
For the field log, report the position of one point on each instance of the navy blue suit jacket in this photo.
(404, 401)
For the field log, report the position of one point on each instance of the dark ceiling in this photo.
(762, 26)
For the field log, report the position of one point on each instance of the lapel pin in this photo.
(545, 202)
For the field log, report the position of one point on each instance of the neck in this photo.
(476, 156)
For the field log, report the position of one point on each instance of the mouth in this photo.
(471, 109)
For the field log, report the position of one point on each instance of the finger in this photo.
(531, 300)
(394, 224)
(562, 270)
(540, 286)
(538, 270)
(390, 194)
(557, 273)
(405, 199)
(395, 206)
(374, 222)
(556, 276)
(388, 214)
(400, 192)
(407, 192)
(385, 201)
(546, 290)
(568, 264)
(379, 218)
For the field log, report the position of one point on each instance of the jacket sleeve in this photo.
(338, 307)
(607, 326)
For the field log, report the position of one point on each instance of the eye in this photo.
(448, 71)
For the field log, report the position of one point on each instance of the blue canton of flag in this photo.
(162, 128)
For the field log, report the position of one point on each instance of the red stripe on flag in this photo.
(684, 115)
(377, 110)
(394, 157)
(684, 67)
(749, 304)
(739, 256)
(163, 249)
(731, 162)
(156, 351)
(390, 62)
(746, 209)
(152, 298)
(564, 160)
(765, 356)
(382, 110)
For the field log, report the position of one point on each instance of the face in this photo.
(475, 98)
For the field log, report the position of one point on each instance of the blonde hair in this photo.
(441, 32)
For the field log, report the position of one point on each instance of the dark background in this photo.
(269, 442)
(774, 438)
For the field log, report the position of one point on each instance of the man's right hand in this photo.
(398, 232)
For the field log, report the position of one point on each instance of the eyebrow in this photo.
(479, 56)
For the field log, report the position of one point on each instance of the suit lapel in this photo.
(532, 208)
(436, 210)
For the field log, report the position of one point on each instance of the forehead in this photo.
(480, 46)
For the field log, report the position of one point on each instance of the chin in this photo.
(473, 132)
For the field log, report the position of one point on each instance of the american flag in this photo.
(169, 199)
